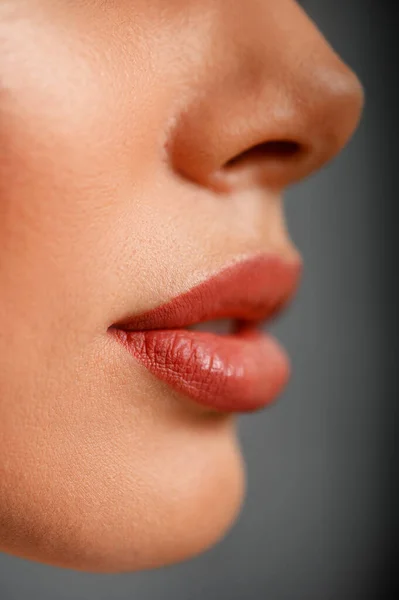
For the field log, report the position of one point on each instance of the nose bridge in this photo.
(274, 79)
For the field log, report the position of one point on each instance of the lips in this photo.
(238, 371)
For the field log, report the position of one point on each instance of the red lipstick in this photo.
(239, 372)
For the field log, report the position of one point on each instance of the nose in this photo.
(271, 103)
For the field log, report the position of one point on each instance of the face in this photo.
(144, 150)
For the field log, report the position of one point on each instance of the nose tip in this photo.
(282, 120)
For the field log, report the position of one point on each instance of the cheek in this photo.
(73, 142)
(67, 159)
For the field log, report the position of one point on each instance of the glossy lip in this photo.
(240, 372)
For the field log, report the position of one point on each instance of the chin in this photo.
(174, 510)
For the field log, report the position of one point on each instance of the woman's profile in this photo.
(145, 148)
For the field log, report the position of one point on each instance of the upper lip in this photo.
(252, 290)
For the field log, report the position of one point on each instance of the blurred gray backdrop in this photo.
(317, 518)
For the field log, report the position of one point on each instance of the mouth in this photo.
(209, 343)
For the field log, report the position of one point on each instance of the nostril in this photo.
(272, 150)
(271, 164)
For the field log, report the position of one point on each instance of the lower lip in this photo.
(235, 373)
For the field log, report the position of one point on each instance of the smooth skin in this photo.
(143, 146)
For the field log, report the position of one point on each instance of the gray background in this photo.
(317, 518)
